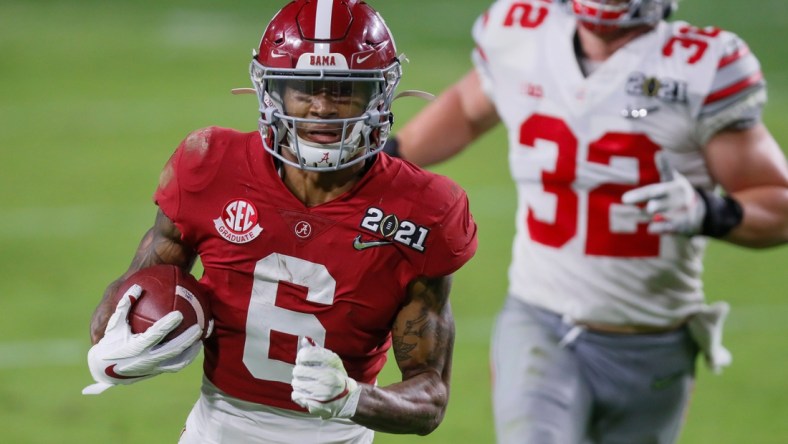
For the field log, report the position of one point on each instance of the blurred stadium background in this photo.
(94, 96)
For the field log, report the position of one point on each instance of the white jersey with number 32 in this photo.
(577, 143)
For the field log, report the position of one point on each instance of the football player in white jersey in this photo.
(632, 140)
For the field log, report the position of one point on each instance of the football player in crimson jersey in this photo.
(633, 140)
(321, 252)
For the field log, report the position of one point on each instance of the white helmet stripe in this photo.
(323, 24)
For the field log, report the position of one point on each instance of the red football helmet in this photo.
(336, 48)
(609, 15)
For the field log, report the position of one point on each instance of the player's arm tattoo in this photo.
(416, 329)
(161, 244)
(421, 329)
(422, 342)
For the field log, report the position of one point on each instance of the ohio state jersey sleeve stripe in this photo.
(478, 55)
(739, 87)
(738, 54)
(735, 71)
(478, 28)
(481, 53)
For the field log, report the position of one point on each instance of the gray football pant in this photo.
(555, 383)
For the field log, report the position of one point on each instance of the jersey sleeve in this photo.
(478, 55)
(168, 194)
(454, 239)
(530, 23)
(191, 168)
(737, 92)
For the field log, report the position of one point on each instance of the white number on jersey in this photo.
(265, 316)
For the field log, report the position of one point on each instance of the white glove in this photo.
(321, 384)
(706, 329)
(121, 357)
(673, 206)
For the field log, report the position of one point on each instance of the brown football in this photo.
(166, 288)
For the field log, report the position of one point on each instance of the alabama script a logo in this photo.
(238, 222)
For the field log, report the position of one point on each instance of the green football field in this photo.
(95, 95)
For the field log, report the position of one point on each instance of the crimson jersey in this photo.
(337, 272)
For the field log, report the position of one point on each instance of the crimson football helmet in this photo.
(615, 14)
(340, 49)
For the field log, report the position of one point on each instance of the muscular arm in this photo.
(751, 168)
(446, 126)
(160, 245)
(423, 341)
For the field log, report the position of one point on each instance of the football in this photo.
(166, 288)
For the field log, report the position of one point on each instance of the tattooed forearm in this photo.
(424, 324)
(433, 292)
(146, 253)
(417, 327)
(422, 341)
(161, 244)
(414, 330)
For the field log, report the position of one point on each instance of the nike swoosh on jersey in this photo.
(359, 245)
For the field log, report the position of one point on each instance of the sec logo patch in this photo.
(239, 222)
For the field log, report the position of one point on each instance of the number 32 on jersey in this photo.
(559, 183)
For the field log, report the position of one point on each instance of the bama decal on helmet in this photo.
(325, 61)
(311, 44)
(238, 222)
(393, 229)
